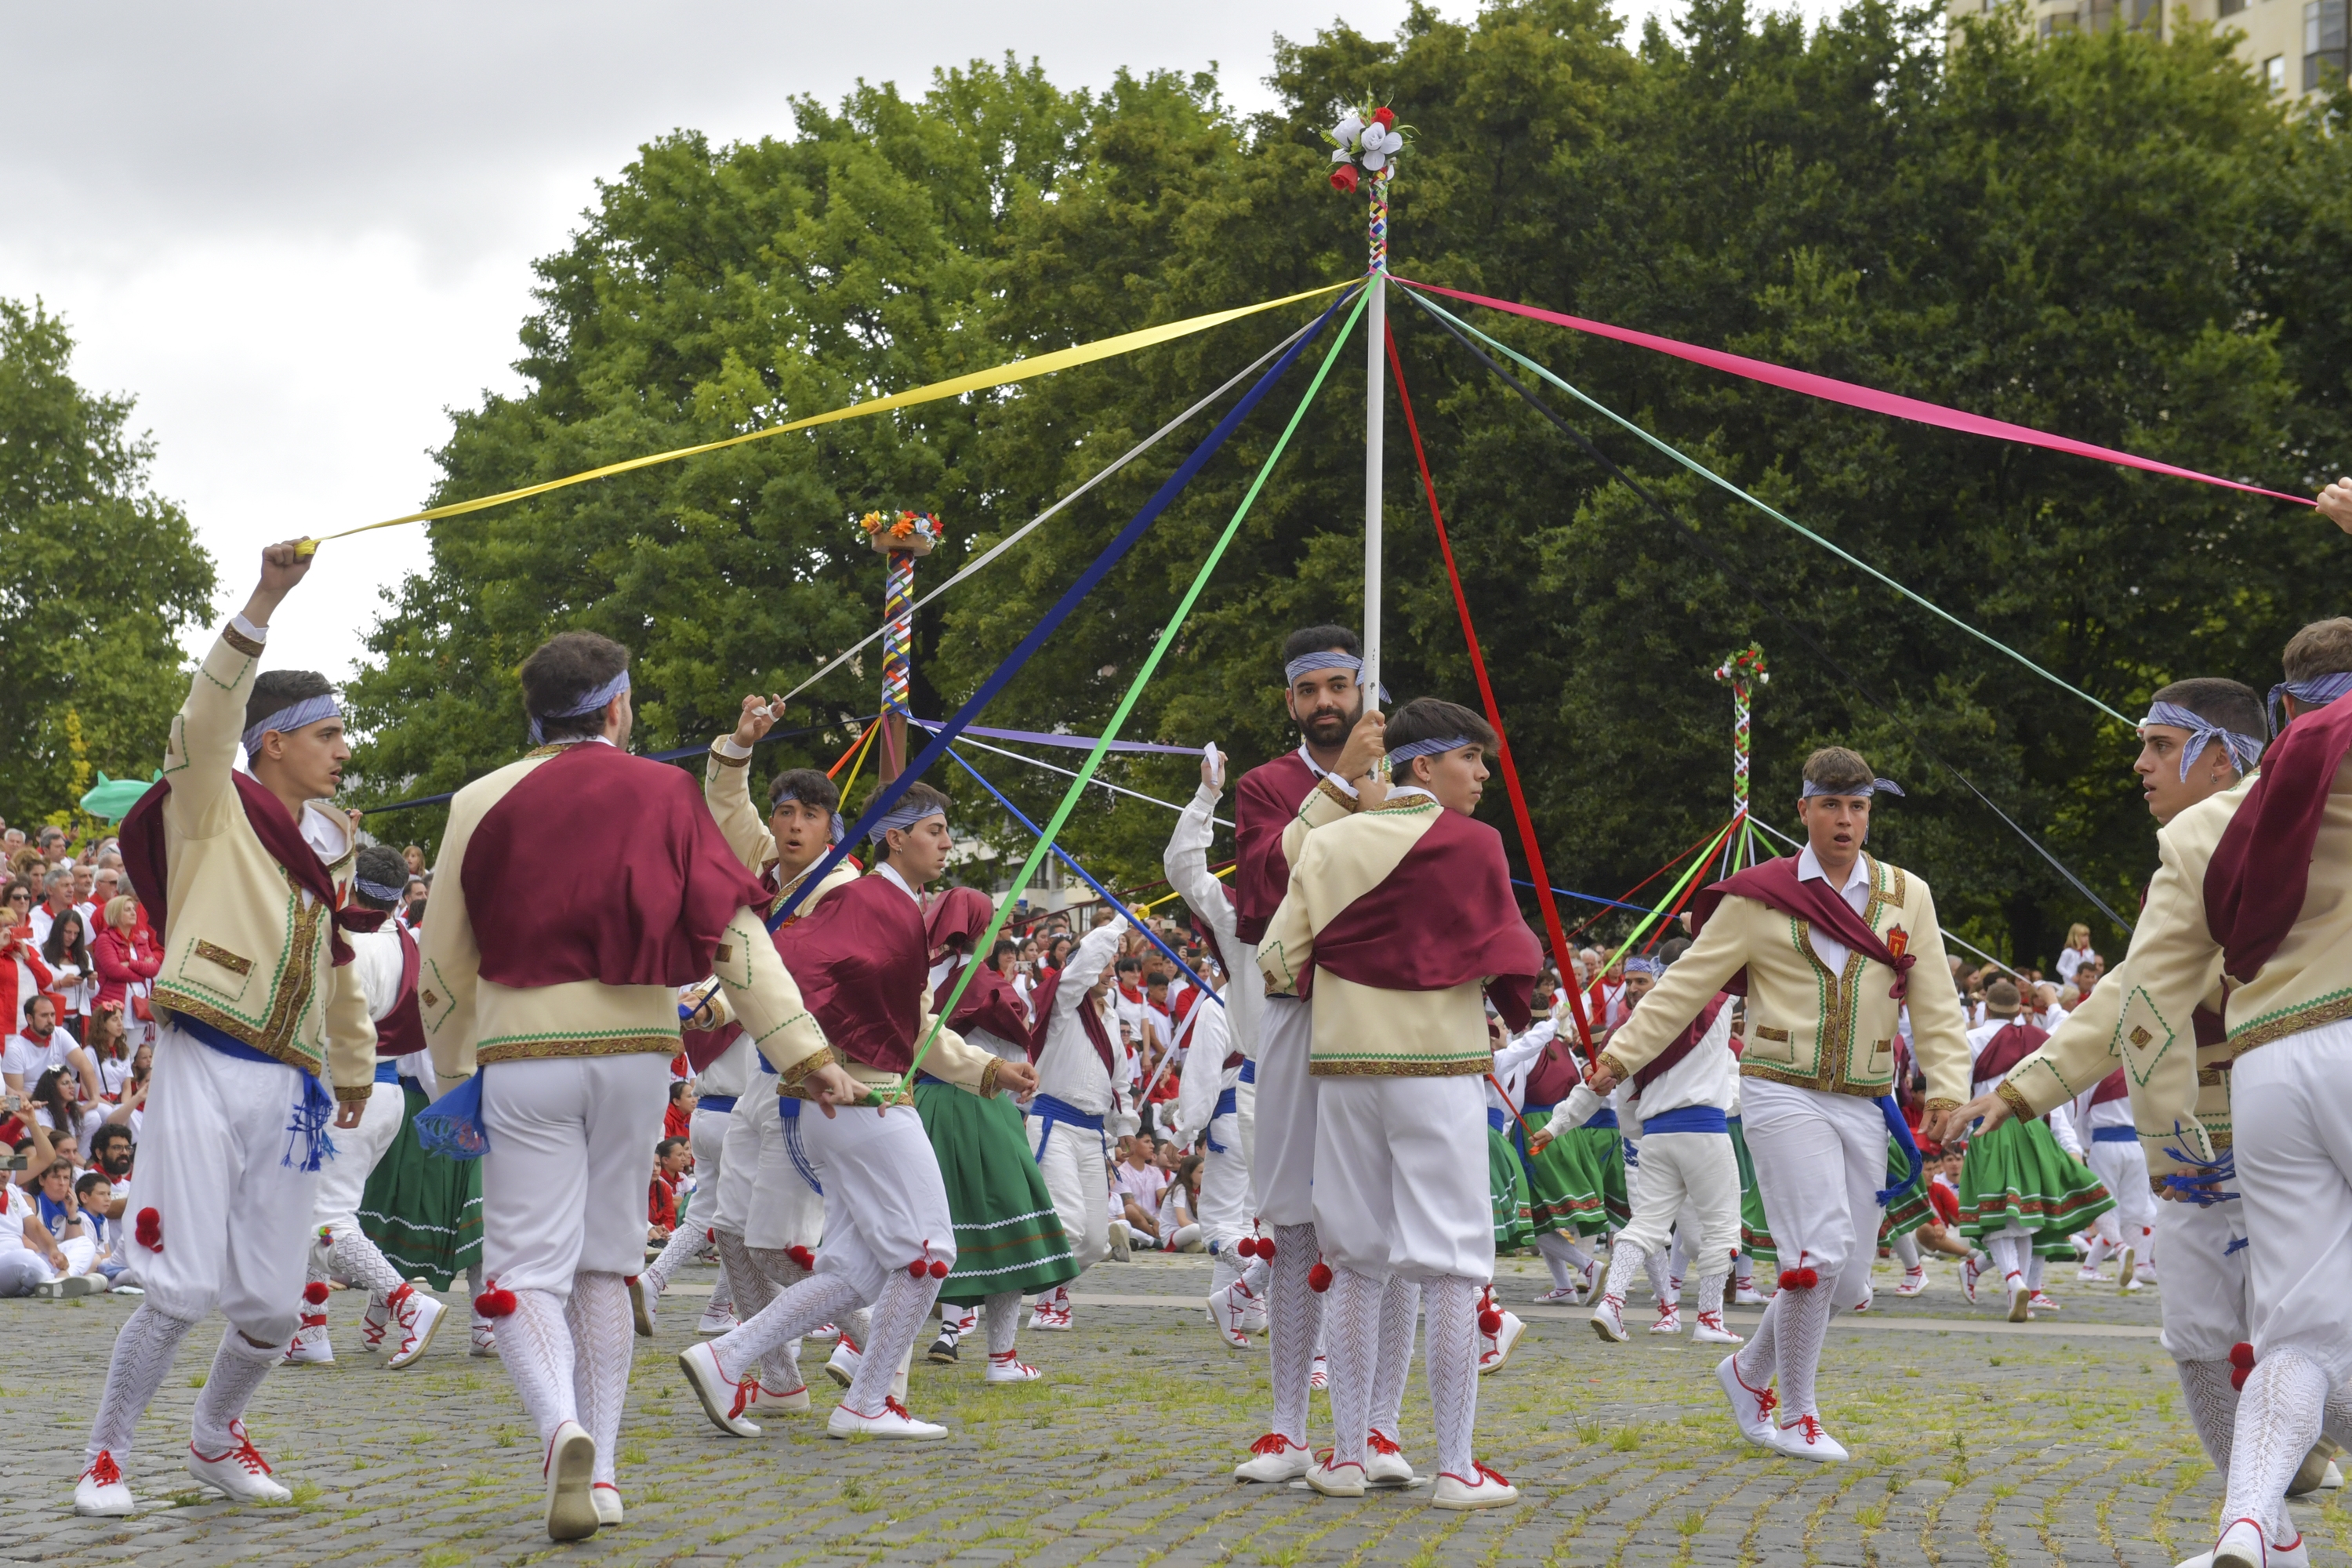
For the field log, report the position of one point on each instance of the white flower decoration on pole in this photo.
(1366, 142)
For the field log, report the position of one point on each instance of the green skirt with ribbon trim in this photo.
(424, 1212)
(1909, 1211)
(2017, 1172)
(1506, 1184)
(1008, 1235)
(1577, 1183)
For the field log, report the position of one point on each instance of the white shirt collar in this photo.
(887, 869)
(1398, 792)
(580, 740)
(1808, 870)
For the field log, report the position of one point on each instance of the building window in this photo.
(2324, 42)
(2231, 7)
(2148, 15)
(2275, 73)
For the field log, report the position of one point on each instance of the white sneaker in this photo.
(2310, 1475)
(1483, 1488)
(1561, 1295)
(842, 1365)
(2244, 1545)
(1274, 1459)
(792, 1401)
(69, 1286)
(1227, 1309)
(570, 1468)
(1970, 1271)
(2330, 1478)
(310, 1346)
(1751, 1408)
(2042, 1303)
(1010, 1368)
(1342, 1480)
(1254, 1316)
(643, 1297)
(415, 1317)
(1669, 1319)
(724, 1399)
(485, 1341)
(1319, 1375)
(1494, 1352)
(1868, 1296)
(1914, 1281)
(2020, 1300)
(2088, 1275)
(238, 1470)
(101, 1493)
(1384, 1462)
(716, 1320)
(1804, 1440)
(890, 1421)
(2127, 1277)
(606, 1497)
(1708, 1330)
(1746, 1296)
(1609, 1321)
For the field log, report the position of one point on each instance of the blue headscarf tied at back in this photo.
(1645, 965)
(286, 720)
(1877, 786)
(906, 815)
(2317, 692)
(588, 704)
(1323, 659)
(1436, 745)
(2244, 750)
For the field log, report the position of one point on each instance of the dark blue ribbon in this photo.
(452, 1125)
(888, 795)
(2203, 1189)
(1900, 1130)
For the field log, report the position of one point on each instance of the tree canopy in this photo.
(2117, 238)
(97, 577)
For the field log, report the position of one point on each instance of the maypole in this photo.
(1743, 672)
(1368, 140)
(900, 540)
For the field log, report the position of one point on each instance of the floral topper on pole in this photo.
(1368, 139)
(900, 537)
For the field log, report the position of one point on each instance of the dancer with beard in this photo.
(566, 1005)
(1274, 805)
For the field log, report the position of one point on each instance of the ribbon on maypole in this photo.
(1743, 672)
(900, 538)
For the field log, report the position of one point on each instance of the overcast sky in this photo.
(299, 233)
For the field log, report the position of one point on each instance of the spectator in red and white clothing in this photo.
(125, 964)
(57, 898)
(73, 984)
(677, 1121)
(40, 1046)
(23, 972)
(108, 1049)
(671, 1157)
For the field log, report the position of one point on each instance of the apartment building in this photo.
(2296, 47)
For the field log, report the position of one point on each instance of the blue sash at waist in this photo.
(2113, 1135)
(1249, 1070)
(1229, 1103)
(387, 1072)
(1604, 1117)
(715, 1102)
(1497, 1118)
(220, 1040)
(1687, 1119)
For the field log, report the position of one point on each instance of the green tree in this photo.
(98, 575)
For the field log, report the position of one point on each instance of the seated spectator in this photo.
(1137, 1184)
(57, 1105)
(671, 1158)
(1180, 1230)
(110, 1156)
(23, 972)
(42, 1046)
(46, 1247)
(677, 1121)
(110, 1051)
(94, 1195)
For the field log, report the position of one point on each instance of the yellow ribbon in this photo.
(955, 386)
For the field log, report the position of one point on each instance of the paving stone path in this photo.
(1974, 1442)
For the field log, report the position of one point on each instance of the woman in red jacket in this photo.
(123, 961)
(23, 974)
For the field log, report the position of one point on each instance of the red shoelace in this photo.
(104, 1471)
(1810, 1426)
(1379, 1444)
(1273, 1442)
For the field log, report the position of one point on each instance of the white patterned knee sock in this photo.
(1399, 1316)
(237, 1370)
(755, 1340)
(1003, 1311)
(363, 1263)
(143, 1349)
(536, 1345)
(2278, 1419)
(1906, 1250)
(1560, 1255)
(1804, 1323)
(2033, 1267)
(1653, 1266)
(604, 1338)
(1294, 1326)
(1710, 1299)
(897, 1317)
(1624, 1257)
(2212, 1406)
(684, 1243)
(1451, 1356)
(722, 1289)
(759, 1272)
(1756, 1360)
(1351, 1322)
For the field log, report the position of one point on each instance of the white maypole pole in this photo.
(1368, 139)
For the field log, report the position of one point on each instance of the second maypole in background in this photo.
(1743, 672)
(900, 538)
(1365, 144)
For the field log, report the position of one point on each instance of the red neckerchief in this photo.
(142, 841)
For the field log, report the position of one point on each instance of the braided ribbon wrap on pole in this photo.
(1376, 231)
(898, 629)
(1743, 671)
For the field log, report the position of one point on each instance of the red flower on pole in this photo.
(1385, 116)
(1343, 179)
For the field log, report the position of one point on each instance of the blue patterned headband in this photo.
(2317, 692)
(1326, 659)
(906, 813)
(382, 892)
(1644, 965)
(286, 720)
(586, 705)
(2246, 750)
(1875, 787)
(1429, 748)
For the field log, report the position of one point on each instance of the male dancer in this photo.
(890, 1237)
(1341, 741)
(385, 961)
(1682, 1098)
(1237, 1304)
(1399, 917)
(1079, 1105)
(1821, 943)
(2200, 746)
(555, 974)
(256, 1000)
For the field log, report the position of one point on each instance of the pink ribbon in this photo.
(1854, 396)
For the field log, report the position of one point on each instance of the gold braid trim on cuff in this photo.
(2014, 1098)
(988, 1076)
(354, 1093)
(239, 641)
(793, 1077)
(1347, 801)
(1934, 1106)
(1616, 1064)
(724, 760)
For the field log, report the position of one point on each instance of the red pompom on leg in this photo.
(1319, 1279)
(1800, 1278)
(1247, 1246)
(939, 1268)
(315, 1292)
(1265, 1248)
(2241, 1364)
(1490, 1323)
(149, 1230)
(495, 1302)
(802, 1257)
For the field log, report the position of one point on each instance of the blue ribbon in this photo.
(888, 795)
(1900, 1130)
(2203, 1189)
(452, 1125)
(1109, 898)
(1054, 1113)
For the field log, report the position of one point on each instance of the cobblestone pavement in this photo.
(2060, 1442)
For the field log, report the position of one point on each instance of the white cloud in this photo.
(298, 234)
